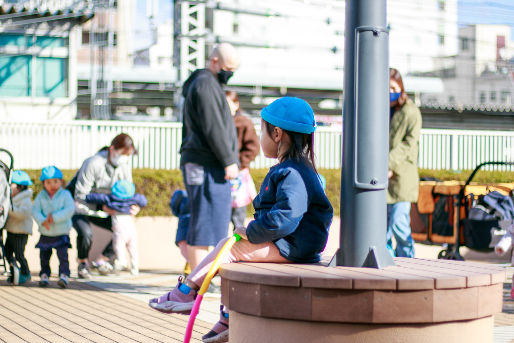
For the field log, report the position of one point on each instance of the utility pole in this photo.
(365, 139)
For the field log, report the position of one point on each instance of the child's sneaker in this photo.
(44, 280)
(134, 271)
(24, 278)
(219, 332)
(63, 281)
(179, 300)
(104, 267)
(83, 271)
(15, 274)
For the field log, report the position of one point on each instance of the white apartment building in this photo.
(300, 44)
(483, 69)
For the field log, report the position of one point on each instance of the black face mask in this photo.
(224, 76)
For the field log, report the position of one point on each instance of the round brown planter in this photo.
(415, 300)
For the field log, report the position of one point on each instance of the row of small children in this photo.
(52, 210)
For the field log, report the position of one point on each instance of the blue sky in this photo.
(486, 12)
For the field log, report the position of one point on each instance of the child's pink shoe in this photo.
(179, 300)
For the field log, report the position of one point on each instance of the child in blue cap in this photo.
(19, 227)
(123, 196)
(292, 212)
(52, 211)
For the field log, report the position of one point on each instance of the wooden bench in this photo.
(450, 300)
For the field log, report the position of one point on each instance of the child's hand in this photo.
(134, 209)
(46, 224)
(241, 231)
(50, 219)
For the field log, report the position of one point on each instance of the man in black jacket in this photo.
(208, 152)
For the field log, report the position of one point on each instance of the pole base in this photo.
(373, 259)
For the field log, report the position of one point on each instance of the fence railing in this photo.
(66, 145)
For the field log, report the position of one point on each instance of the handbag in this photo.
(243, 189)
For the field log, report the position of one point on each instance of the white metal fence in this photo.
(66, 145)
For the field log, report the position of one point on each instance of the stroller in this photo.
(5, 199)
(453, 215)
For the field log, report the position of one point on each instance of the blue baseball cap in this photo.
(50, 172)
(123, 189)
(20, 177)
(291, 114)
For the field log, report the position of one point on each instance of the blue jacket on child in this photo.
(116, 203)
(292, 211)
(61, 206)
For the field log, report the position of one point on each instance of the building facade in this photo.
(38, 53)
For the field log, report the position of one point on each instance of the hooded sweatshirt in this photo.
(208, 133)
(20, 217)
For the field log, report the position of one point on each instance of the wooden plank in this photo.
(360, 280)
(473, 278)
(310, 278)
(440, 280)
(247, 272)
(498, 273)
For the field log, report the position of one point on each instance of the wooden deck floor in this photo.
(83, 313)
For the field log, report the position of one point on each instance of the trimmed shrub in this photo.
(159, 185)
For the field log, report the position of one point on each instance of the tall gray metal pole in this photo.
(365, 138)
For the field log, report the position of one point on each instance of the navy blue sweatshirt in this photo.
(293, 212)
(117, 204)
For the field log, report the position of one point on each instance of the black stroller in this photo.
(5, 199)
(454, 215)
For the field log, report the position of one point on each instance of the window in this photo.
(482, 97)
(40, 72)
(464, 43)
(505, 97)
(441, 4)
(440, 39)
(85, 37)
(492, 96)
(451, 99)
(51, 77)
(15, 75)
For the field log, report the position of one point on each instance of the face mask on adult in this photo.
(224, 76)
(118, 159)
(394, 96)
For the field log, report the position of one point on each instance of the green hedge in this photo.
(159, 185)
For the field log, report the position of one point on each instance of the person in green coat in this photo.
(404, 132)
